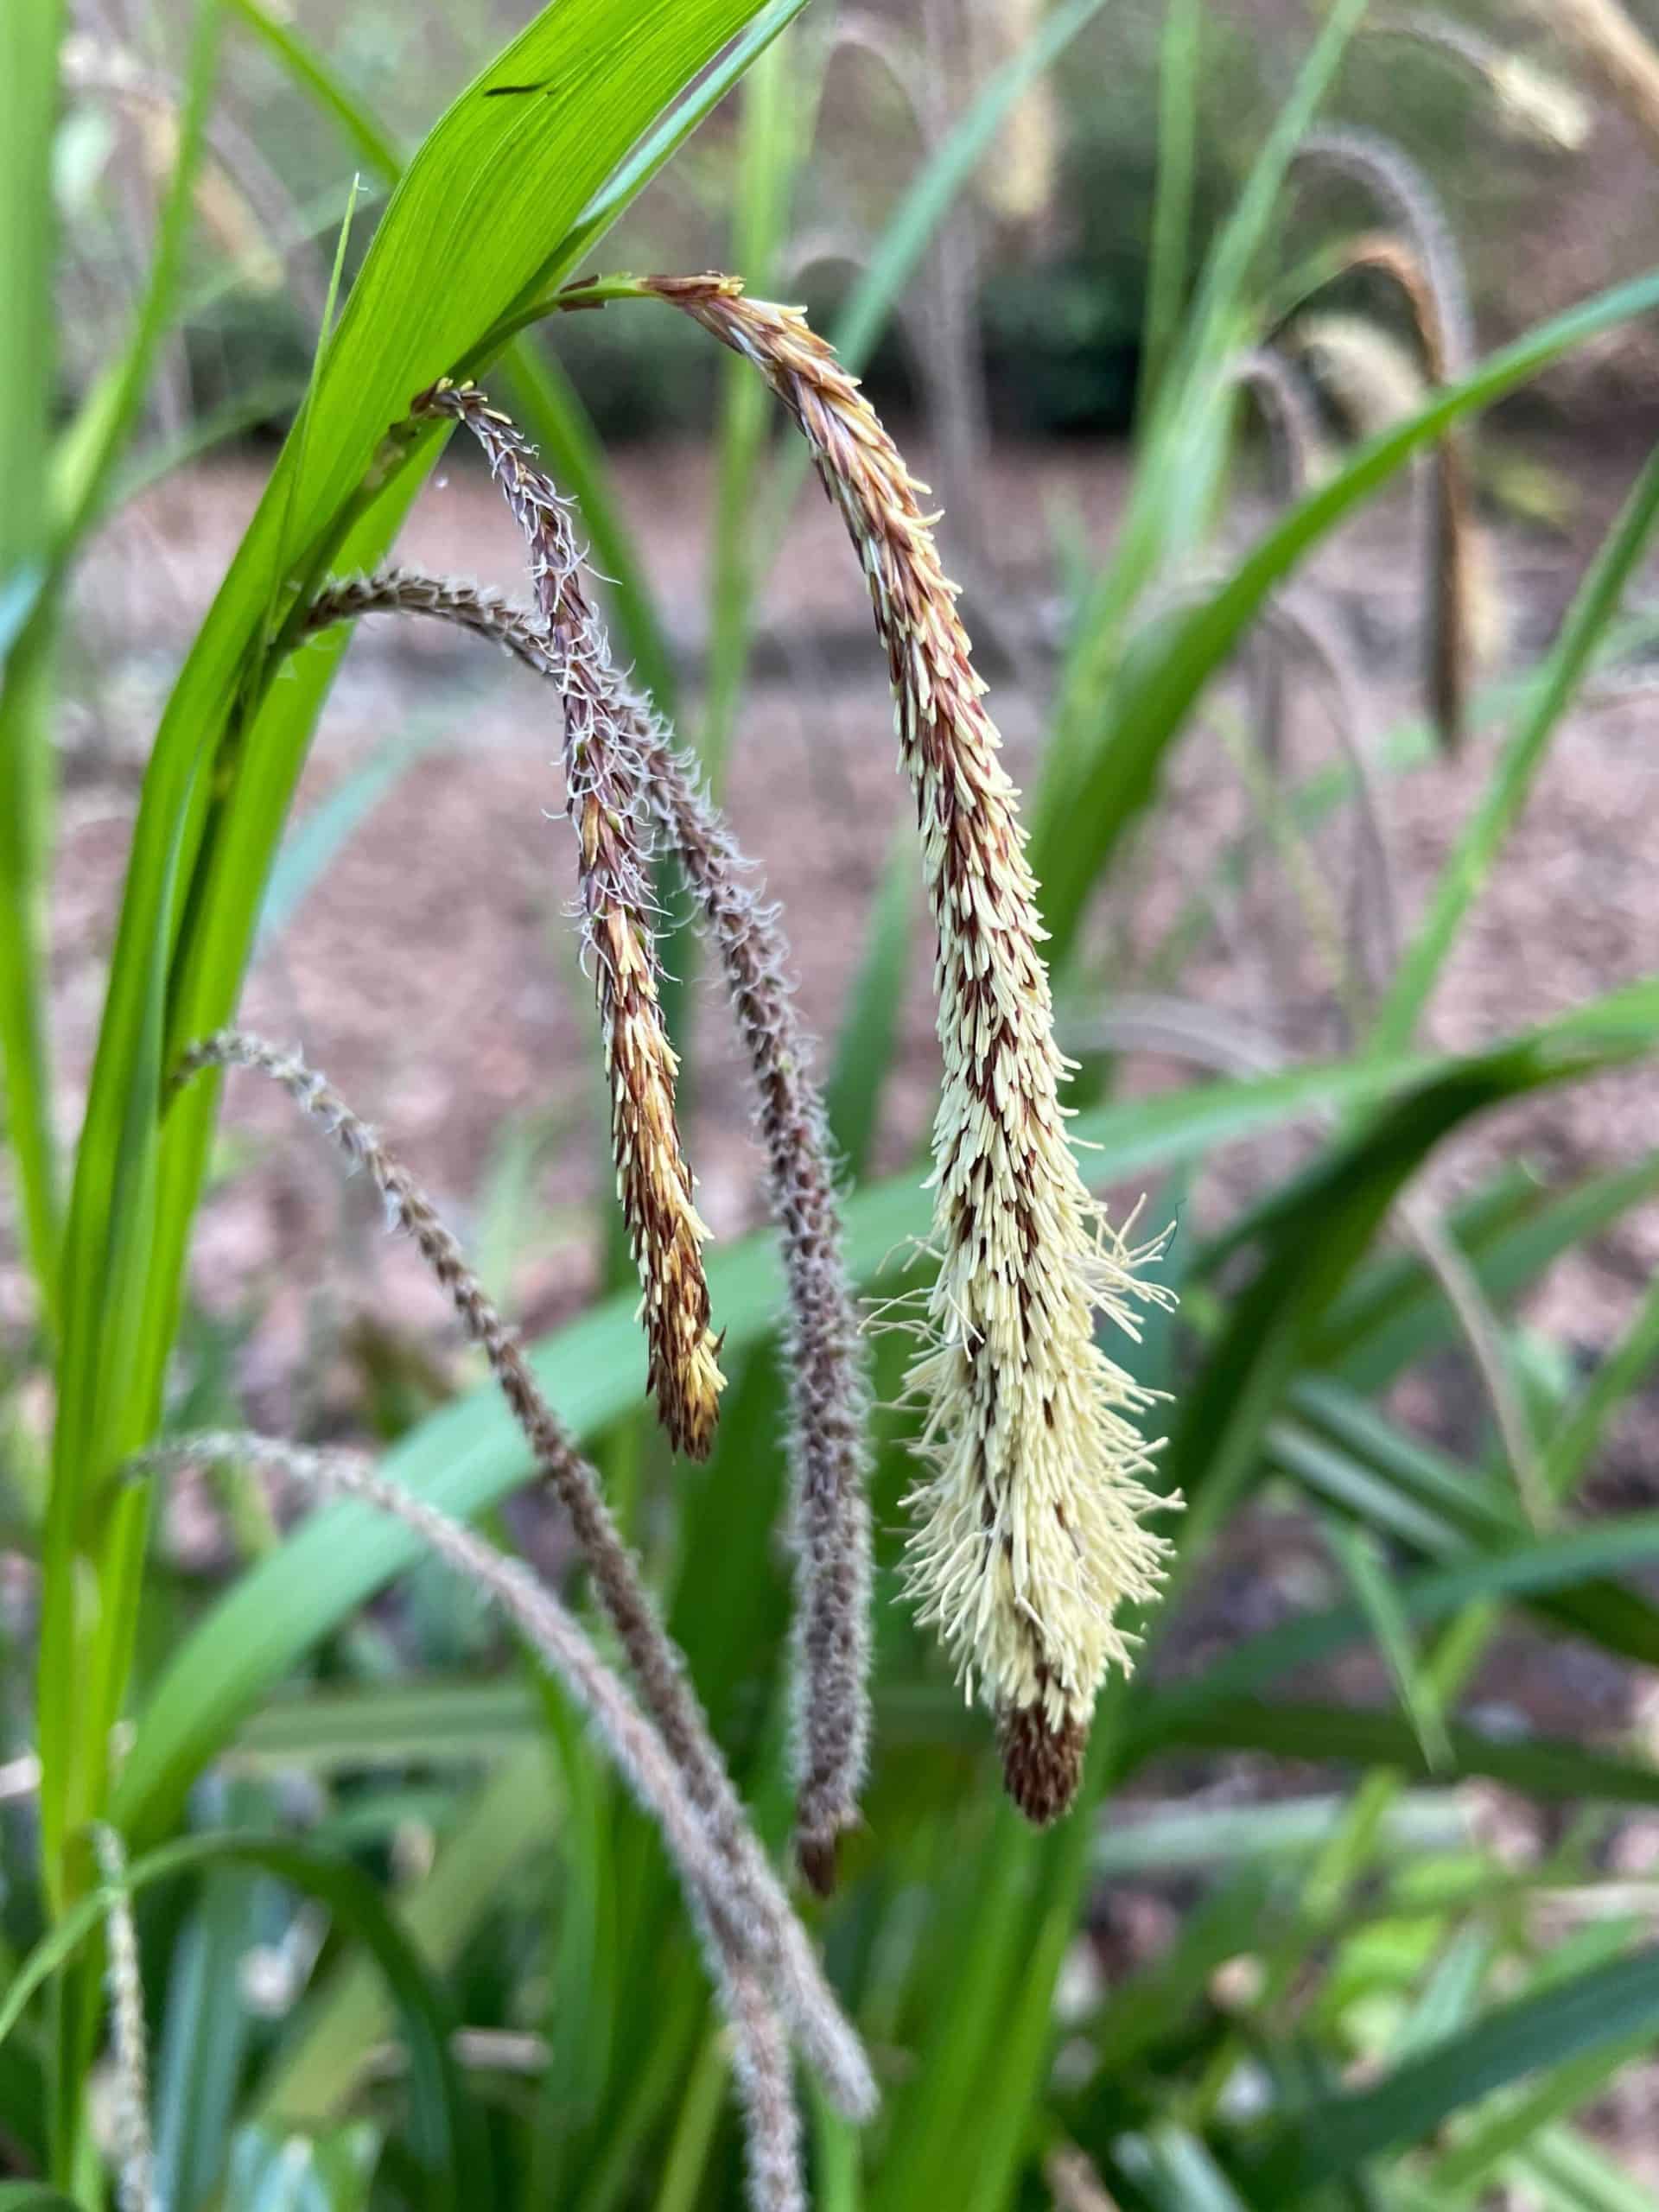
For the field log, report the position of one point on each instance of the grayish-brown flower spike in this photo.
(825, 1367)
(824, 1363)
(1463, 614)
(1533, 104)
(1033, 1531)
(774, 1934)
(762, 2050)
(135, 2156)
(766, 2089)
(606, 796)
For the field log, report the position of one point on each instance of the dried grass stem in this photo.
(825, 1366)
(658, 1667)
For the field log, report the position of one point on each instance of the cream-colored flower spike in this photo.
(1031, 1528)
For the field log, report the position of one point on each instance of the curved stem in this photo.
(829, 1455)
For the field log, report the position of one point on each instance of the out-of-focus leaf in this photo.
(1333, 2139)
(443, 2129)
(1545, 1766)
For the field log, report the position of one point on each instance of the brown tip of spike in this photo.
(816, 1857)
(1042, 1765)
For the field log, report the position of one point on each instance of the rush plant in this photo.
(706, 1814)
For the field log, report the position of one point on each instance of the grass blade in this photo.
(1609, 2006)
(1396, 1314)
(28, 97)
(1526, 1569)
(1572, 1444)
(373, 147)
(1319, 1235)
(321, 2063)
(1362, 1560)
(1151, 699)
(1541, 1766)
(1171, 215)
(205, 2035)
(1594, 609)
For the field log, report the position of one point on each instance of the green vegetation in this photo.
(1363, 2003)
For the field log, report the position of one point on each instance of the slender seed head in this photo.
(761, 1912)
(134, 2186)
(1031, 1531)
(1464, 617)
(1533, 104)
(831, 1520)
(1536, 105)
(733, 1930)
(607, 798)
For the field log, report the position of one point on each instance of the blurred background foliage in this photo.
(1061, 212)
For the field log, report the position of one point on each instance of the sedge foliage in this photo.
(526, 2018)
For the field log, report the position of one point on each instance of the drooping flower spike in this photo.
(828, 1449)
(726, 1921)
(605, 793)
(1419, 254)
(756, 1912)
(1031, 1513)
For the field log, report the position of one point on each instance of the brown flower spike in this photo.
(755, 1914)
(1031, 1530)
(828, 1454)
(606, 794)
